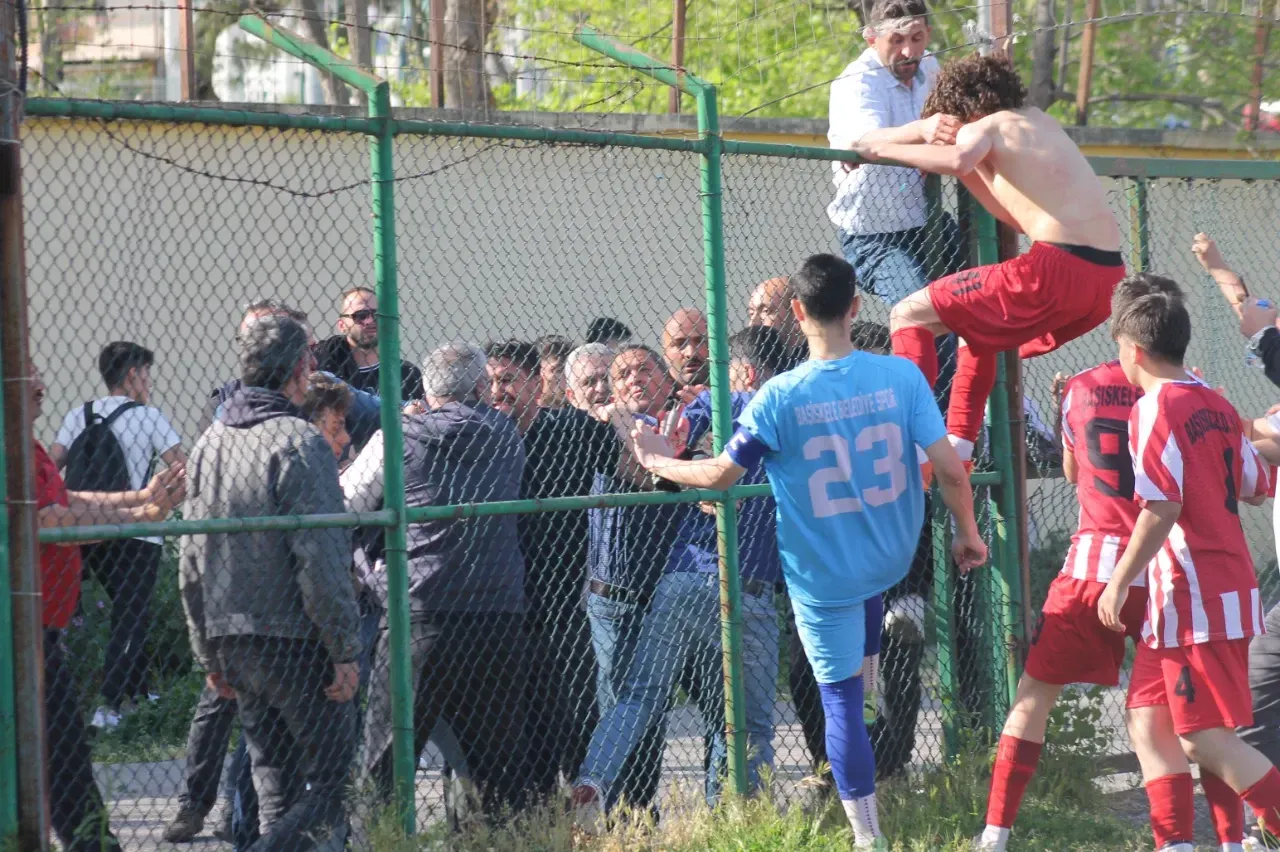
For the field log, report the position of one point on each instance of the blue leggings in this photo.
(853, 765)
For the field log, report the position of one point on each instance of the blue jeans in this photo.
(896, 264)
(683, 628)
(615, 631)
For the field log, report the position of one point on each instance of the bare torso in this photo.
(1042, 180)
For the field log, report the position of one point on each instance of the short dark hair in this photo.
(1141, 284)
(650, 353)
(976, 86)
(554, 347)
(606, 330)
(762, 347)
(1157, 322)
(324, 394)
(270, 350)
(870, 336)
(523, 355)
(826, 286)
(119, 357)
(880, 11)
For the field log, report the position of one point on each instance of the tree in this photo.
(466, 36)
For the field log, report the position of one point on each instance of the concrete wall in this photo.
(160, 233)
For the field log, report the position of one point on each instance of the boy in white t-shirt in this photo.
(126, 568)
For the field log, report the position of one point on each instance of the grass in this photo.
(936, 811)
(156, 730)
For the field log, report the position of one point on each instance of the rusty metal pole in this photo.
(677, 50)
(1085, 81)
(15, 366)
(187, 48)
(1261, 35)
(435, 37)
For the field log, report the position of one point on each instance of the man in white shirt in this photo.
(126, 568)
(879, 211)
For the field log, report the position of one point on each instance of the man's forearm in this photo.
(1231, 285)
(957, 494)
(1149, 535)
(910, 133)
(715, 473)
(90, 514)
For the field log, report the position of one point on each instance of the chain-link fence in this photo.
(548, 609)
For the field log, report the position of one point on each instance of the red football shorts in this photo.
(1070, 643)
(1205, 686)
(1034, 303)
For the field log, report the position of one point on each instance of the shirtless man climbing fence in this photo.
(1021, 166)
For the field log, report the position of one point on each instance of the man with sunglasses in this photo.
(352, 353)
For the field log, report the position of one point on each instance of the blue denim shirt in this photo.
(694, 548)
(628, 546)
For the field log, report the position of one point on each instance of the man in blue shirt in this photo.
(838, 437)
(681, 630)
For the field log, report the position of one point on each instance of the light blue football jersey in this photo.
(841, 438)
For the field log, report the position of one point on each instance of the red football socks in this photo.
(919, 346)
(1015, 764)
(1173, 812)
(1264, 798)
(975, 377)
(1225, 807)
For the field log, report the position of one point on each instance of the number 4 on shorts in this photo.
(1184, 688)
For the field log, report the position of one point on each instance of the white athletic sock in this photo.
(1232, 847)
(993, 839)
(963, 448)
(1178, 847)
(865, 819)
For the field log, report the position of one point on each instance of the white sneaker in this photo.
(105, 719)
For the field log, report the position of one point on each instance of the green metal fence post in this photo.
(1005, 575)
(382, 164)
(384, 265)
(718, 334)
(1139, 231)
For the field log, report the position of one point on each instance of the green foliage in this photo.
(778, 59)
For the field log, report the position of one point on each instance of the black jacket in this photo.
(334, 356)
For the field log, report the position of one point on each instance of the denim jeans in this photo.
(301, 743)
(896, 264)
(243, 798)
(683, 627)
(615, 630)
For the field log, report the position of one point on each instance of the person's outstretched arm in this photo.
(967, 547)
(654, 453)
(1210, 257)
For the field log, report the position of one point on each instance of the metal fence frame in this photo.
(1004, 577)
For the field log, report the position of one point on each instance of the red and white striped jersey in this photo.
(1095, 429)
(1188, 448)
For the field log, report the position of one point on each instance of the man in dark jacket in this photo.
(352, 354)
(565, 449)
(272, 614)
(466, 581)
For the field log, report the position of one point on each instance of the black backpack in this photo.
(95, 459)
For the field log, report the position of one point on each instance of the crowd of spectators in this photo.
(547, 646)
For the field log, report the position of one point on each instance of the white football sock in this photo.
(865, 819)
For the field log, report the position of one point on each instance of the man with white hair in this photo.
(587, 372)
(466, 580)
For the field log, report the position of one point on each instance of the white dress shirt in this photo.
(866, 97)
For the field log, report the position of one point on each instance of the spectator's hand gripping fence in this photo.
(952, 644)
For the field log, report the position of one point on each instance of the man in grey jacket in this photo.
(272, 614)
(466, 581)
